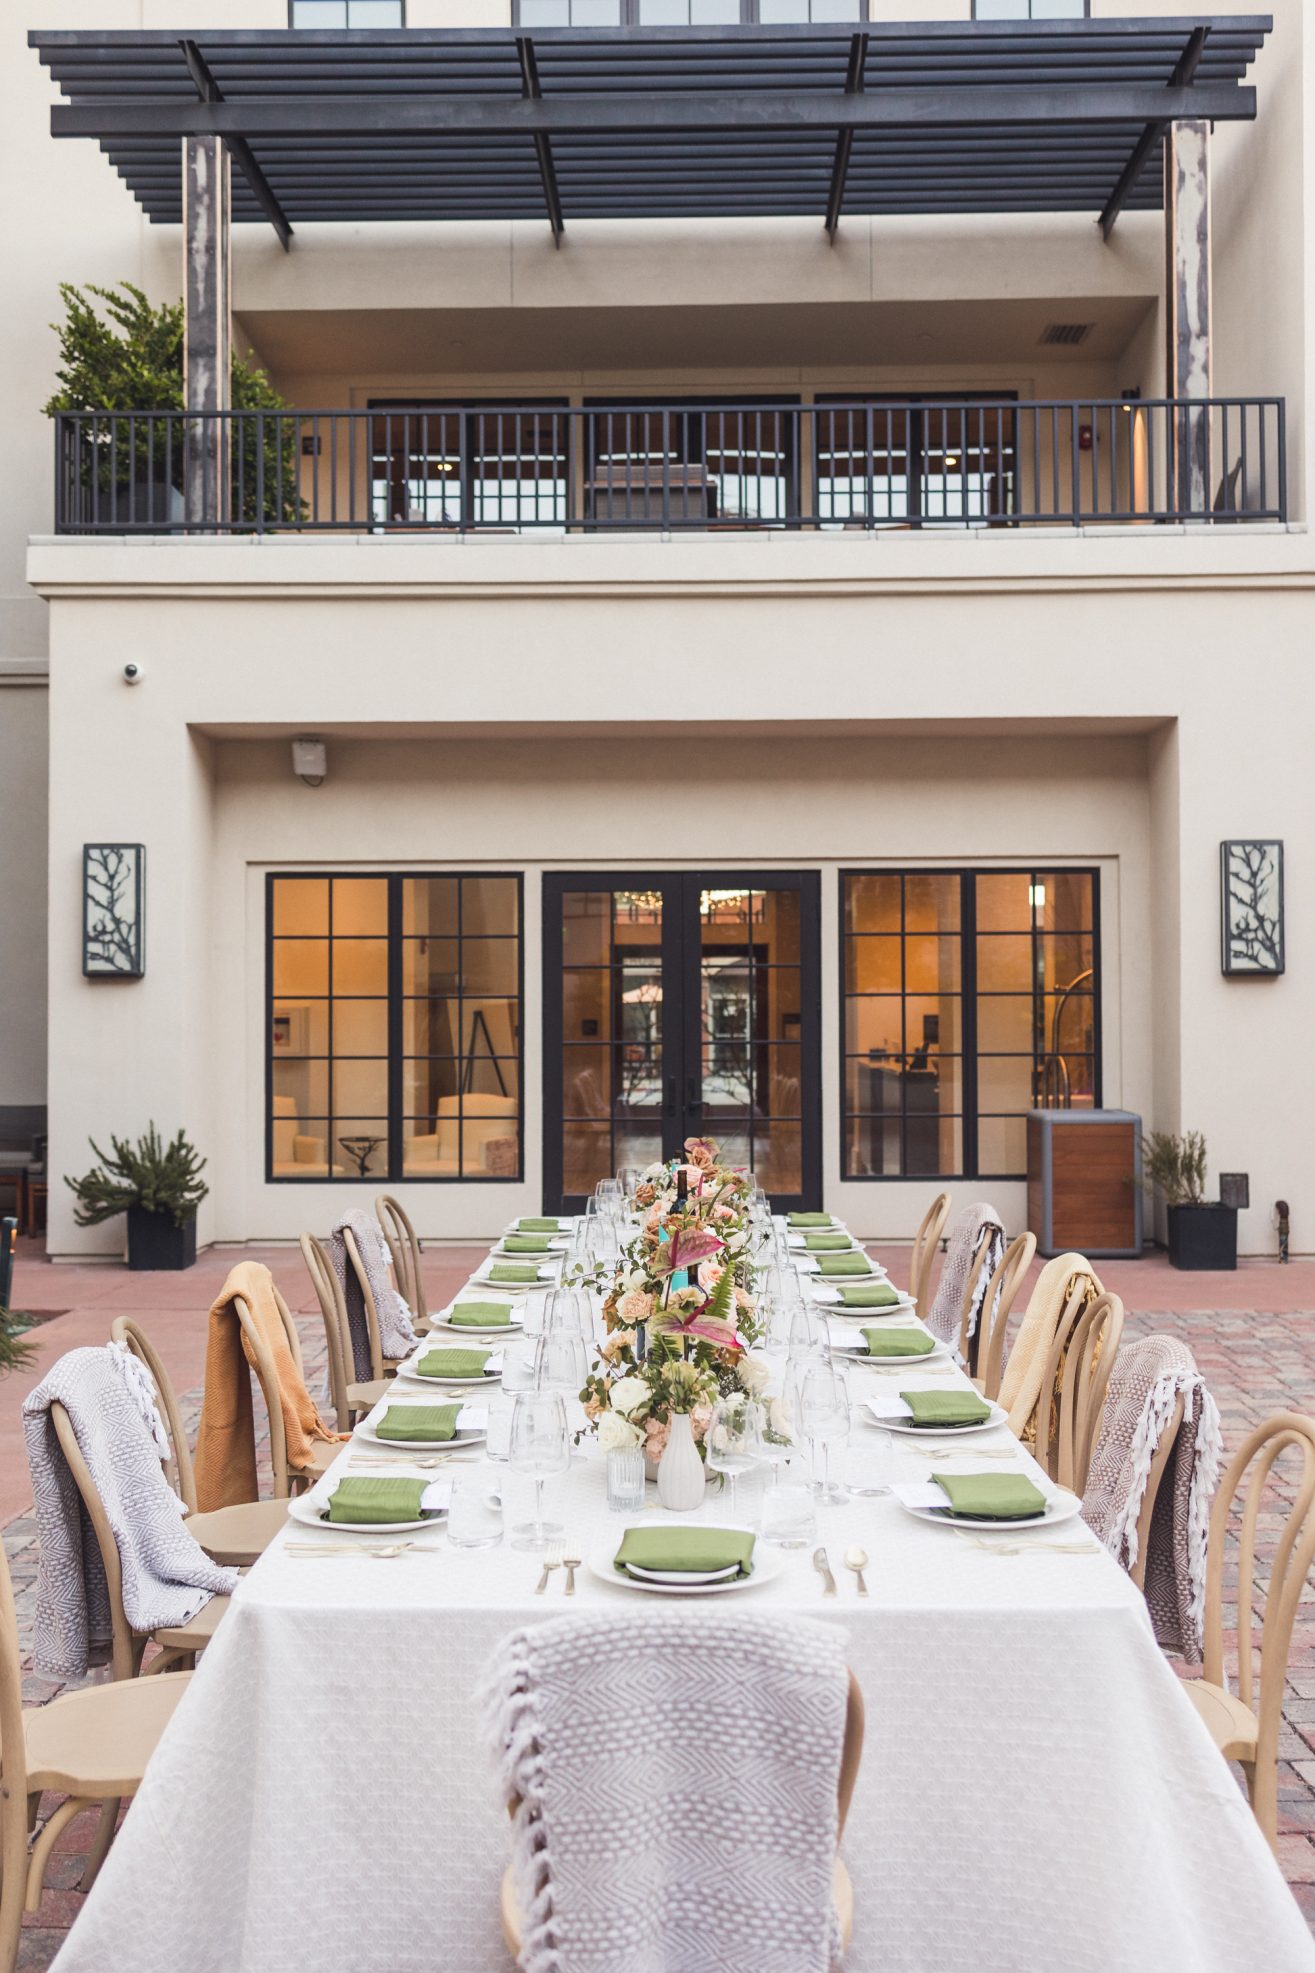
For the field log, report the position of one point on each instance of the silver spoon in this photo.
(857, 1560)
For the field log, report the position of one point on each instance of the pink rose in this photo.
(709, 1275)
(656, 1435)
(636, 1307)
(700, 1419)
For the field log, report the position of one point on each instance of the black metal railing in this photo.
(545, 468)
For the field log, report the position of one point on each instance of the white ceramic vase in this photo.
(680, 1477)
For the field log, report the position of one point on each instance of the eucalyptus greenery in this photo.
(128, 356)
(1175, 1166)
(157, 1177)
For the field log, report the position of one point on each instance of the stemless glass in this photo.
(474, 1515)
(823, 1415)
(497, 1445)
(540, 1449)
(789, 1513)
(733, 1439)
(571, 1309)
(629, 1178)
(518, 1354)
(561, 1362)
(534, 1311)
(807, 1334)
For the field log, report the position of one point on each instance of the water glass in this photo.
(823, 1415)
(561, 1363)
(570, 1311)
(625, 1480)
(870, 1464)
(789, 1514)
(534, 1311)
(498, 1443)
(733, 1440)
(518, 1354)
(540, 1450)
(474, 1518)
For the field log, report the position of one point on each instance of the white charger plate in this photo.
(306, 1509)
(855, 1355)
(548, 1275)
(557, 1246)
(1060, 1506)
(905, 1305)
(412, 1378)
(565, 1227)
(992, 1424)
(515, 1320)
(767, 1564)
(365, 1431)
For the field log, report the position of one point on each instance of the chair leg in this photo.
(1262, 1793)
(16, 1818)
(100, 1844)
(73, 1805)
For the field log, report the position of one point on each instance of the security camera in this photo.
(133, 674)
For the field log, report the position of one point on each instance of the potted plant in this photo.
(158, 1186)
(1202, 1232)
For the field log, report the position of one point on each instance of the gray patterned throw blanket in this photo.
(167, 1577)
(397, 1336)
(975, 1225)
(1145, 1384)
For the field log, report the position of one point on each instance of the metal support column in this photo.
(207, 335)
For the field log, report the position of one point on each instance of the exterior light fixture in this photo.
(310, 759)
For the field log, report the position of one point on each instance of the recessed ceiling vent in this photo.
(1065, 335)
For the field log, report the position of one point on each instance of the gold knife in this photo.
(823, 1567)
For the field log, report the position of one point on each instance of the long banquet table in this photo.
(1035, 1788)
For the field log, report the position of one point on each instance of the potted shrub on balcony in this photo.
(1202, 1232)
(158, 1186)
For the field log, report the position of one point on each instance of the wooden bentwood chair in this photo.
(90, 1746)
(925, 1242)
(350, 1399)
(1245, 1724)
(984, 1351)
(1073, 1386)
(404, 1248)
(235, 1536)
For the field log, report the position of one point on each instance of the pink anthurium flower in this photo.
(707, 1328)
(686, 1248)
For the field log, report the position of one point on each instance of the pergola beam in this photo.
(858, 55)
(1154, 132)
(208, 91)
(626, 113)
(533, 93)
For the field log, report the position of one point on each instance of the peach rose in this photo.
(656, 1435)
(620, 1339)
(636, 1307)
(710, 1274)
(700, 1419)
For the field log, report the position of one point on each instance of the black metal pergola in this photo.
(499, 123)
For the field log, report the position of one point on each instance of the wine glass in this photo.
(540, 1448)
(806, 1335)
(733, 1440)
(823, 1414)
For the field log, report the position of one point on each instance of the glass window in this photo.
(683, 13)
(1031, 10)
(395, 1027)
(916, 462)
(347, 13)
(969, 998)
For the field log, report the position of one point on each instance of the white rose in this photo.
(616, 1434)
(754, 1373)
(627, 1394)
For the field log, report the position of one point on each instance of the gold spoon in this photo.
(857, 1560)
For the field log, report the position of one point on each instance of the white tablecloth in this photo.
(1035, 1788)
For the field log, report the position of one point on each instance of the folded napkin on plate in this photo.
(526, 1243)
(380, 1500)
(478, 1315)
(851, 1263)
(897, 1342)
(828, 1243)
(538, 1226)
(696, 1550)
(432, 1423)
(946, 1408)
(868, 1294)
(452, 1363)
(797, 1221)
(513, 1273)
(991, 1496)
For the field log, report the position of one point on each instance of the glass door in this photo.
(679, 1004)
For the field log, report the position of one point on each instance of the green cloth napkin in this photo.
(434, 1423)
(898, 1342)
(526, 1243)
(538, 1226)
(991, 1496)
(828, 1243)
(479, 1315)
(376, 1500)
(512, 1273)
(851, 1263)
(452, 1363)
(945, 1408)
(800, 1220)
(678, 1549)
(868, 1294)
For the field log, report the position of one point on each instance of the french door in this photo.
(679, 1004)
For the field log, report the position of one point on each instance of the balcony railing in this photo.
(545, 468)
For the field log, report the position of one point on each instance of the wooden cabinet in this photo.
(1084, 1182)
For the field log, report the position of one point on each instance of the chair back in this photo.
(133, 1337)
(357, 1266)
(333, 1314)
(1160, 1458)
(13, 1741)
(404, 1249)
(1074, 1382)
(988, 1345)
(1243, 1486)
(268, 1379)
(851, 1753)
(925, 1242)
(126, 1647)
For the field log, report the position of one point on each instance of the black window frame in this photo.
(395, 1172)
(968, 1113)
(292, 20)
(1029, 15)
(920, 446)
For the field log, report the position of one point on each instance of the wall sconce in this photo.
(113, 911)
(310, 759)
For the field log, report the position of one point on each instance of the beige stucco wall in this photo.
(23, 796)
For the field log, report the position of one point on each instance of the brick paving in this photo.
(1256, 1349)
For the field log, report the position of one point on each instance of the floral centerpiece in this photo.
(678, 1308)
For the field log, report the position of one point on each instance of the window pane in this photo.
(375, 13)
(490, 905)
(360, 1027)
(1004, 1082)
(1004, 964)
(874, 1147)
(488, 965)
(426, 1081)
(931, 964)
(304, 1086)
(932, 1145)
(299, 1027)
(1001, 1147)
(1062, 900)
(778, 1157)
(360, 906)
(872, 904)
(931, 904)
(873, 965)
(360, 1087)
(1005, 1022)
(1002, 901)
(874, 1026)
(1064, 958)
(430, 906)
(490, 1146)
(299, 1143)
(319, 13)
(301, 905)
(360, 966)
(301, 966)
(544, 13)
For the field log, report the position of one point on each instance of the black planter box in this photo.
(1202, 1237)
(155, 1244)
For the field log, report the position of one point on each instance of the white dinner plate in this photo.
(853, 1354)
(471, 1435)
(414, 1381)
(823, 1296)
(308, 1509)
(1060, 1506)
(905, 1425)
(548, 1272)
(557, 1245)
(565, 1227)
(807, 1264)
(515, 1319)
(798, 1242)
(767, 1563)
